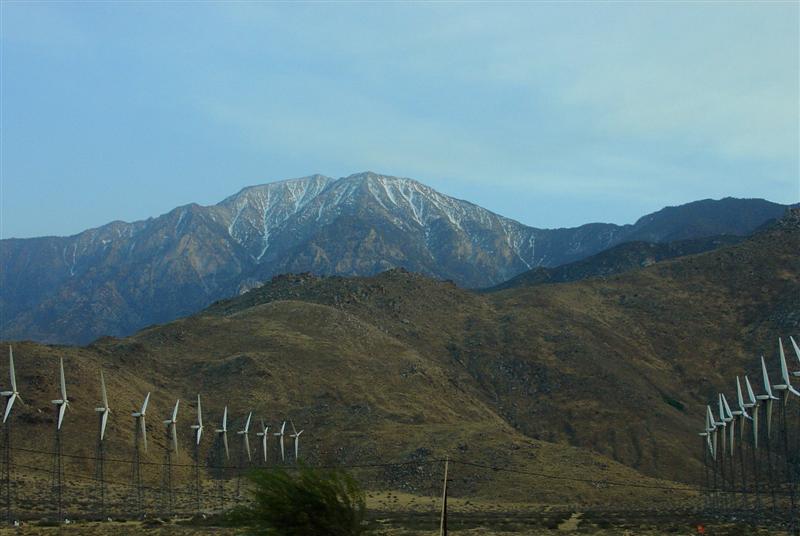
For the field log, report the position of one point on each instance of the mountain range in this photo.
(121, 277)
(599, 378)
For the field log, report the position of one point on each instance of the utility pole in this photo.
(443, 522)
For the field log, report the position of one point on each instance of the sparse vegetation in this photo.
(306, 502)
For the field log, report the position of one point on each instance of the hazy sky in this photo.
(550, 113)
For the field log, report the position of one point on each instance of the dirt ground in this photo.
(573, 524)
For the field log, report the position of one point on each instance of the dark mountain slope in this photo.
(617, 259)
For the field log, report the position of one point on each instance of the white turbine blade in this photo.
(296, 446)
(199, 433)
(767, 386)
(794, 391)
(750, 394)
(225, 442)
(174, 436)
(144, 404)
(9, 405)
(103, 389)
(784, 369)
(199, 411)
(103, 422)
(794, 344)
(63, 381)
(247, 424)
(727, 407)
(294, 430)
(283, 455)
(175, 411)
(283, 427)
(739, 393)
(247, 447)
(264, 446)
(144, 430)
(61, 409)
(731, 432)
(13, 375)
(225, 419)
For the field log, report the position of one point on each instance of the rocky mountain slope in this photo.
(121, 277)
(604, 378)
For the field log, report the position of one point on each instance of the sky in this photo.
(554, 114)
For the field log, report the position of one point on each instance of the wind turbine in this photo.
(198, 433)
(198, 428)
(767, 396)
(727, 418)
(172, 431)
(741, 415)
(139, 417)
(741, 411)
(705, 436)
(139, 427)
(280, 434)
(224, 431)
(101, 451)
(263, 434)
(244, 432)
(296, 436)
(62, 402)
(13, 394)
(786, 386)
(58, 473)
(104, 410)
(785, 389)
(711, 428)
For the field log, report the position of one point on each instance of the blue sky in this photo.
(554, 114)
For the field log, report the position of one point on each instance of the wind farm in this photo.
(398, 268)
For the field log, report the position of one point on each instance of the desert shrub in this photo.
(307, 502)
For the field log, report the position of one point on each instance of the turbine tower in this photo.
(171, 433)
(711, 445)
(11, 397)
(139, 430)
(245, 433)
(785, 389)
(198, 433)
(263, 434)
(768, 397)
(296, 437)
(102, 413)
(222, 437)
(280, 434)
(58, 465)
(740, 414)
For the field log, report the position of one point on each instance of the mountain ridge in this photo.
(117, 278)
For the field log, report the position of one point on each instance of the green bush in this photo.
(307, 502)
